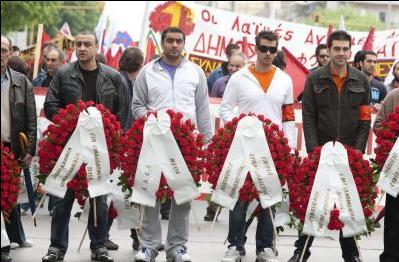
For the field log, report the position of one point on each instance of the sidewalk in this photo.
(201, 246)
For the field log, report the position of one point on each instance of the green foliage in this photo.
(15, 15)
(80, 15)
(354, 20)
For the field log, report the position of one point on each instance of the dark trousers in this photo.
(237, 230)
(391, 230)
(14, 228)
(348, 245)
(60, 222)
(165, 207)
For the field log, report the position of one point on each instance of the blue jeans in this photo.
(60, 222)
(264, 229)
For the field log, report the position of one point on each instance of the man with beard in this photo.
(87, 80)
(378, 91)
(336, 107)
(170, 82)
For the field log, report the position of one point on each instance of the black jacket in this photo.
(128, 94)
(328, 116)
(23, 113)
(66, 88)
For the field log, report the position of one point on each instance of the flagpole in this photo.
(144, 25)
(37, 50)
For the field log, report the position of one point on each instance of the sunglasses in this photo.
(323, 56)
(264, 49)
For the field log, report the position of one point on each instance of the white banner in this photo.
(86, 145)
(249, 151)
(389, 177)
(4, 237)
(210, 30)
(334, 183)
(128, 214)
(95, 152)
(160, 153)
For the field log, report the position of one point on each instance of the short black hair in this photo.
(269, 35)
(359, 56)
(89, 33)
(16, 63)
(131, 59)
(319, 48)
(172, 30)
(339, 35)
(368, 53)
(15, 48)
(230, 48)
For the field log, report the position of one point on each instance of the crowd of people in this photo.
(172, 81)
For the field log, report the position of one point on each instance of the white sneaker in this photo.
(267, 255)
(178, 254)
(14, 245)
(27, 243)
(145, 255)
(232, 255)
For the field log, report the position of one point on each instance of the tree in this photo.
(354, 20)
(15, 15)
(80, 15)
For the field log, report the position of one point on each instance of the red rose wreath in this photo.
(300, 187)
(217, 152)
(58, 134)
(10, 180)
(188, 140)
(386, 137)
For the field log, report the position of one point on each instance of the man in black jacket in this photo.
(336, 108)
(18, 114)
(87, 80)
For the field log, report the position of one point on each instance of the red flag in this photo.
(113, 61)
(329, 31)
(245, 46)
(368, 45)
(296, 71)
(150, 50)
(45, 38)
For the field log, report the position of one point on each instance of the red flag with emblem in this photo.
(296, 71)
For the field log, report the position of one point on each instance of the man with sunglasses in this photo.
(322, 57)
(263, 89)
(87, 80)
(335, 108)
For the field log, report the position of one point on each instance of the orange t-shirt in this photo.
(338, 80)
(264, 78)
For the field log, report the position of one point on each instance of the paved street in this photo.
(201, 246)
